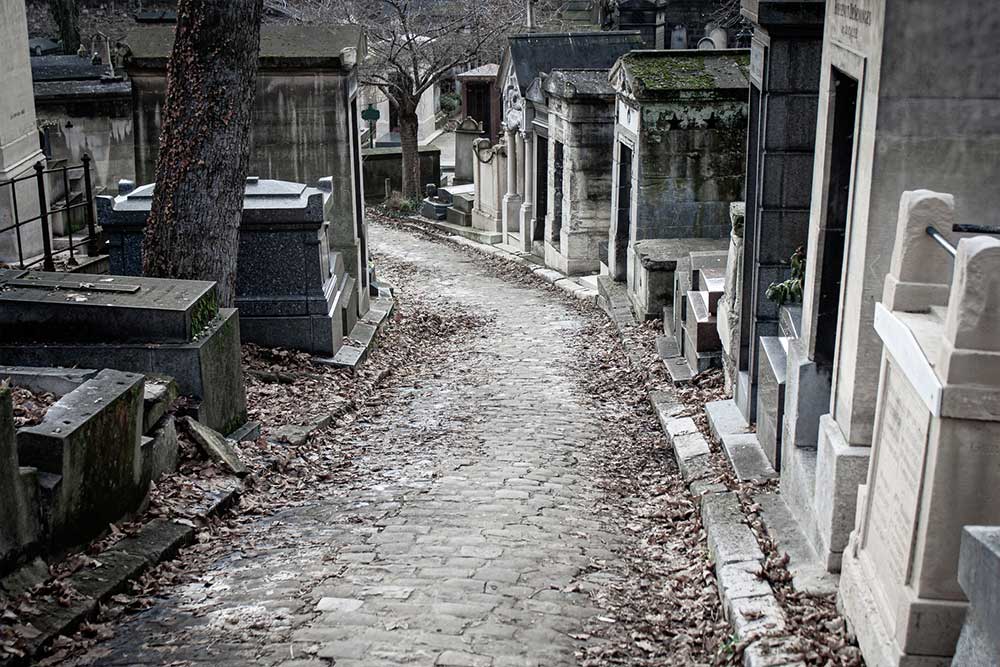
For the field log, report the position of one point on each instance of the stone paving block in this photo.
(348, 648)
(741, 580)
(730, 539)
(461, 659)
(339, 604)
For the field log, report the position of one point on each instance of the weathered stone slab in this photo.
(730, 539)
(40, 307)
(57, 381)
(90, 439)
(22, 522)
(216, 446)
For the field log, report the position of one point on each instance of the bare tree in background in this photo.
(66, 14)
(413, 44)
(193, 228)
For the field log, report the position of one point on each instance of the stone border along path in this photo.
(472, 530)
(749, 602)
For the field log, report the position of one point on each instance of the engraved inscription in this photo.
(855, 15)
(902, 443)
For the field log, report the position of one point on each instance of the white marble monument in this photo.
(935, 463)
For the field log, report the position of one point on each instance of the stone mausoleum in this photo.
(679, 159)
(292, 289)
(529, 147)
(578, 188)
(305, 117)
(881, 131)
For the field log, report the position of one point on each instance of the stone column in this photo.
(528, 207)
(519, 137)
(511, 200)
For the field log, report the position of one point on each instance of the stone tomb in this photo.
(139, 325)
(83, 467)
(785, 60)
(935, 462)
(291, 289)
(19, 149)
(680, 149)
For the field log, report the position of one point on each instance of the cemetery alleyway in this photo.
(509, 500)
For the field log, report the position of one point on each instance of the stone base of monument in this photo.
(577, 255)
(291, 286)
(928, 626)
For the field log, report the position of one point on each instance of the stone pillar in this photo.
(19, 147)
(511, 200)
(935, 460)
(467, 134)
(519, 142)
(527, 208)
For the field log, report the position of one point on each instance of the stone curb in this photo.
(748, 600)
(157, 541)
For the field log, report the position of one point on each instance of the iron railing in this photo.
(47, 259)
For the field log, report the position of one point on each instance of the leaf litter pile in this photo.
(30, 407)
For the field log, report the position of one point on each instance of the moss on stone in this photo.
(687, 73)
(204, 312)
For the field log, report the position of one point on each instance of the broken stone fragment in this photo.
(216, 446)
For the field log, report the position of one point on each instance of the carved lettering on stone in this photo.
(901, 440)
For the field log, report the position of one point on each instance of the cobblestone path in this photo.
(471, 536)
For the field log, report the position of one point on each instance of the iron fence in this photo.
(20, 226)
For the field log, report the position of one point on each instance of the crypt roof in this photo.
(530, 55)
(671, 74)
(488, 71)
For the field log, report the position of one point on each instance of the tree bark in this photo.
(408, 126)
(66, 14)
(193, 228)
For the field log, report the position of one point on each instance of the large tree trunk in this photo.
(193, 228)
(408, 126)
(66, 14)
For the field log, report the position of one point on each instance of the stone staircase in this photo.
(690, 342)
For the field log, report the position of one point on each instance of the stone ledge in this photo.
(157, 541)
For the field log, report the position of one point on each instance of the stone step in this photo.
(771, 397)
(667, 347)
(808, 573)
(699, 361)
(700, 324)
(159, 393)
(458, 217)
(464, 203)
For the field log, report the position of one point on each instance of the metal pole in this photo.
(43, 209)
(941, 240)
(17, 223)
(92, 242)
(67, 215)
